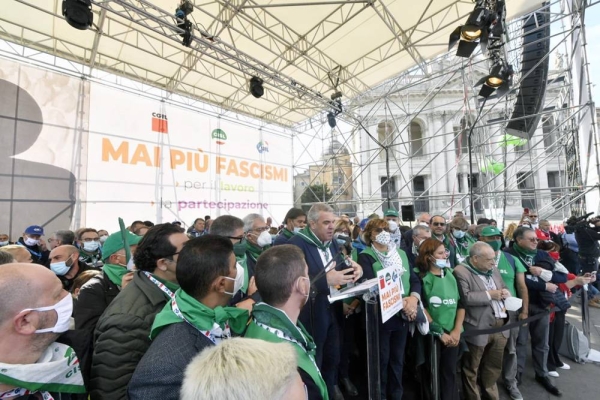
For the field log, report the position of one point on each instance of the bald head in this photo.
(26, 286)
(19, 253)
(63, 253)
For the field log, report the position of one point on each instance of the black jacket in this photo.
(68, 283)
(159, 375)
(122, 337)
(587, 239)
(93, 299)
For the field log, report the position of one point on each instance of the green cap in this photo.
(115, 243)
(491, 231)
(390, 212)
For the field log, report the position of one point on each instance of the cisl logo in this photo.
(263, 147)
(219, 136)
(437, 302)
(159, 123)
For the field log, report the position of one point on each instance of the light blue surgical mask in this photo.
(60, 268)
(441, 263)
(458, 233)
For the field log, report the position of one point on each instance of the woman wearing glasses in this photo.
(440, 297)
(380, 254)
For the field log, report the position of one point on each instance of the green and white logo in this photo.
(219, 136)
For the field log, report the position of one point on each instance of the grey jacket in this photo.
(479, 313)
(122, 337)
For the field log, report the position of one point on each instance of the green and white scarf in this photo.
(57, 370)
(526, 254)
(287, 233)
(199, 316)
(308, 236)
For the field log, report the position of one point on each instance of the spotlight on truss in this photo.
(256, 87)
(499, 80)
(78, 13)
(474, 32)
(184, 9)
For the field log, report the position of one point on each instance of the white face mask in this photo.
(393, 225)
(31, 242)
(383, 238)
(4, 243)
(103, 238)
(458, 234)
(130, 264)
(64, 310)
(297, 229)
(238, 281)
(264, 239)
(423, 224)
(91, 246)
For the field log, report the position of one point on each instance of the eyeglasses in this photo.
(379, 230)
(239, 238)
(533, 240)
(438, 224)
(264, 228)
(533, 216)
(87, 240)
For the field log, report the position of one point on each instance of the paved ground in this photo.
(581, 381)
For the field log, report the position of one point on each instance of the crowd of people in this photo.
(237, 309)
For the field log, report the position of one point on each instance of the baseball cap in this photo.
(35, 230)
(491, 231)
(115, 243)
(390, 212)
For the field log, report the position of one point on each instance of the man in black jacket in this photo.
(540, 278)
(33, 242)
(122, 333)
(589, 249)
(196, 318)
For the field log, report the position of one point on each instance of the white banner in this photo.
(390, 292)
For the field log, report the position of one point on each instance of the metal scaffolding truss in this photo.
(303, 50)
(420, 93)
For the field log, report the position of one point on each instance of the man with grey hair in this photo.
(258, 239)
(407, 237)
(420, 233)
(59, 238)
(233, 228)
(482, 294)
(319, 317)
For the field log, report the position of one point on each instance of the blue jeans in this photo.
(391, 361)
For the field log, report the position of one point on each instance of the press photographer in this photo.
(587, 234)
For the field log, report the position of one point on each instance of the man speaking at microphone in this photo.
(319, 316)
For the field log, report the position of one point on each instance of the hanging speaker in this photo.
(530, 98)
(408, 212)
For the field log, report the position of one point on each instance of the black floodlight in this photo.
(474, 32)
(331, 120)
(499, 80)
(78, 13)
(256, 87)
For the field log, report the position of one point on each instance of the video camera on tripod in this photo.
(574, 223)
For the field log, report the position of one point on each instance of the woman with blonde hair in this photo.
(508, 233)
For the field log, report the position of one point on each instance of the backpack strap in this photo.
(511, 261)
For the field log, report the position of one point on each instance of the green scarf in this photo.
(264, 316)
(287, 233)
(239, 249)
(200, 316)
(526, 254)
(57, 370)
(115, 273)
(254, 250)
(170, 285)
(309, 237)
(475, 270)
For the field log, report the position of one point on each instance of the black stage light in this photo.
(474, 32)
(78, 13)
(331, 120)
(256, 87)
(499, 80)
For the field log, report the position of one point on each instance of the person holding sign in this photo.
(445, 315)
(382, 254)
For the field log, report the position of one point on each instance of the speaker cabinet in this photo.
(408, 213)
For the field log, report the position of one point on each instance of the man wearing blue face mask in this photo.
(460, 239)
(35, 311)
(35, 245)
(90, 251)
(196, 318)
(64, 262)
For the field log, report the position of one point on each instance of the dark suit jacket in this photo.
(159, 375)
(320, 307)
(479, 313)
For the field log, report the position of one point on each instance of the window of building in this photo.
(555, 183)
(550, 136)
(422, 204)
(415, 136)
(526, 186)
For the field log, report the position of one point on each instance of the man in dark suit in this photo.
(196, 318)
(420, 233)
(320, 317)
(482, 294)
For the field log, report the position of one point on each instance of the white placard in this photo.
(390, 292)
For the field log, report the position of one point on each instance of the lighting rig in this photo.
(336, 104)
